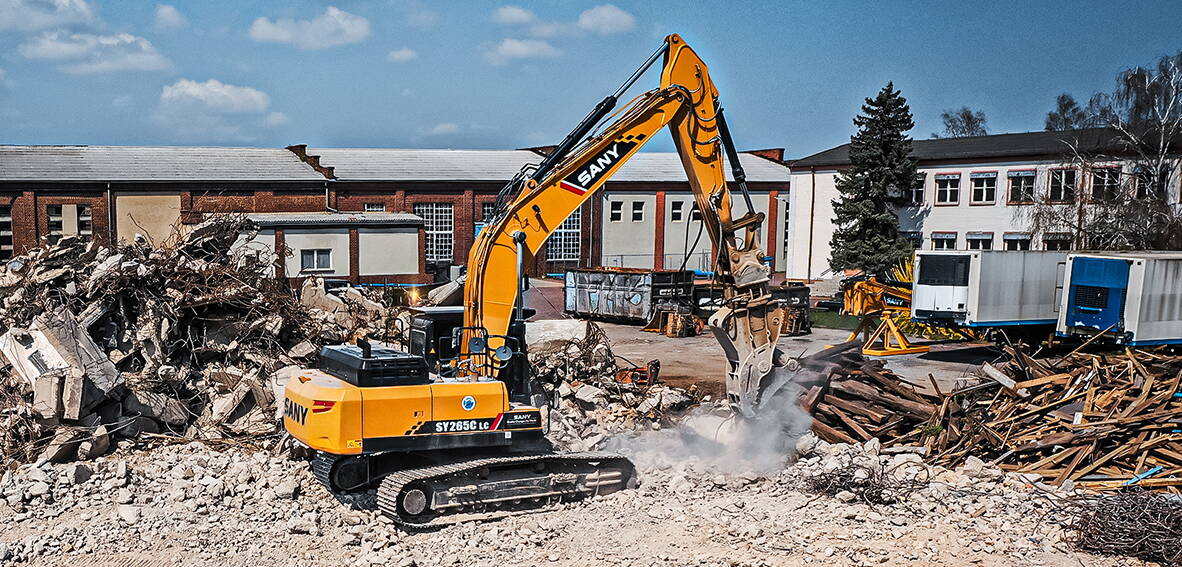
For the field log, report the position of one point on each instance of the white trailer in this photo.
(1136, 297)
(986, 288)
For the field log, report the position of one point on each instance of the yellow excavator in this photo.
(452, 430)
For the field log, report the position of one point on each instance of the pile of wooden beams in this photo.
(864, 400)
(1104, 421)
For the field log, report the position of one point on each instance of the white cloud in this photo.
(33, 15)
(83, 53)
(215, 96)
(122, 101)
(275, 119)
(333, 27)
(443, 128)
(214, 111)
(512, 15)
(606, 19)
(400, 55)
(169, 18)
(509, 49)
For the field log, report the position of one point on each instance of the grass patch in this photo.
(833, 320)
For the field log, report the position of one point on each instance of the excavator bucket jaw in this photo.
(748, 335)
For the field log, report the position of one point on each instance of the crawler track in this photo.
(487, 488)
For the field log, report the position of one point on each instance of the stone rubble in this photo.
(190, 504)
(184, 339)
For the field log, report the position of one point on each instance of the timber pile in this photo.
(1103, 421)
(858, 399)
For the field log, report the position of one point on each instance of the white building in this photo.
(971, 193)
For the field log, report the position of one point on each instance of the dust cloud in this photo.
(713, 437)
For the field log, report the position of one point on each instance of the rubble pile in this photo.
(573, 362)
(187, 339)
(1102, 421)
(193, 503)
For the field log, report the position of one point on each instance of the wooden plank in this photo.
(1052, 379)
(830, 434)
(847, 420)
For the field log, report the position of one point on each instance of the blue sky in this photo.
(408, 73)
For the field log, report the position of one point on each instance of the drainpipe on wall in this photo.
(327, 205)
(111, 233)
(812, 215)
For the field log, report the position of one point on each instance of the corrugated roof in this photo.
(334, 219)
(151, 164)
(1022, 144)
(390, 164)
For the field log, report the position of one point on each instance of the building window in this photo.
(1151, 186)
(1105, 183)
(5, 232)
(565, 243)
(943, 241)
(695, 213)
(1056, 241)
(915, 238)
(1016, 240)
(486, 212)
(375, 207)
(984, 188)
(1021, 186)
(616, 211)
(915, 196)
(55, 221)
(1062, 185)
(676, 213)
(979, 240)
(315, 260)
(637, 211)
(437, 220)
(948, 189)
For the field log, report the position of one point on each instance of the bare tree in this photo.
(1116, 192)
(962, 123)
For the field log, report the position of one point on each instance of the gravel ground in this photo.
(195, 505)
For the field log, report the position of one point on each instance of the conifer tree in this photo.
(881, 171)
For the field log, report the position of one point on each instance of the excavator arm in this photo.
(535, 203)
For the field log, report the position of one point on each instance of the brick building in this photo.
(644, 217)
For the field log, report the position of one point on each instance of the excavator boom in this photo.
(536, 202)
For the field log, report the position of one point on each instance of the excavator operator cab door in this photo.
(434, 335)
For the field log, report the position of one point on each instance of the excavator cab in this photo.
(436, 335)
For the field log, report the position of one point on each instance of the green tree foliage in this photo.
(881, 170)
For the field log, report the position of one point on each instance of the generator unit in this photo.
(987, 288)
(1135, 298)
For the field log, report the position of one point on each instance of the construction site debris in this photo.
(1101, 421)
(574, 363)
(185, 339)
(1138, 524)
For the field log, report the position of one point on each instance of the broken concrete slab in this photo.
(156, 406)
(63, 448)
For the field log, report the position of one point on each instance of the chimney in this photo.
(301, 151)
(543, 151)
(774, 154)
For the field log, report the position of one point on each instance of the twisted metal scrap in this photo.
(869, 484)
(1137, 523)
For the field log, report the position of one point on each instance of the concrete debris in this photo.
(194, 503)
(104, 344)
(574, 363)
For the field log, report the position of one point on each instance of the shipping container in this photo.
(1136, 297)
(987, 288)
(627, 294)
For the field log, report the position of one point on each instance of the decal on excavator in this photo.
(585, 177)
